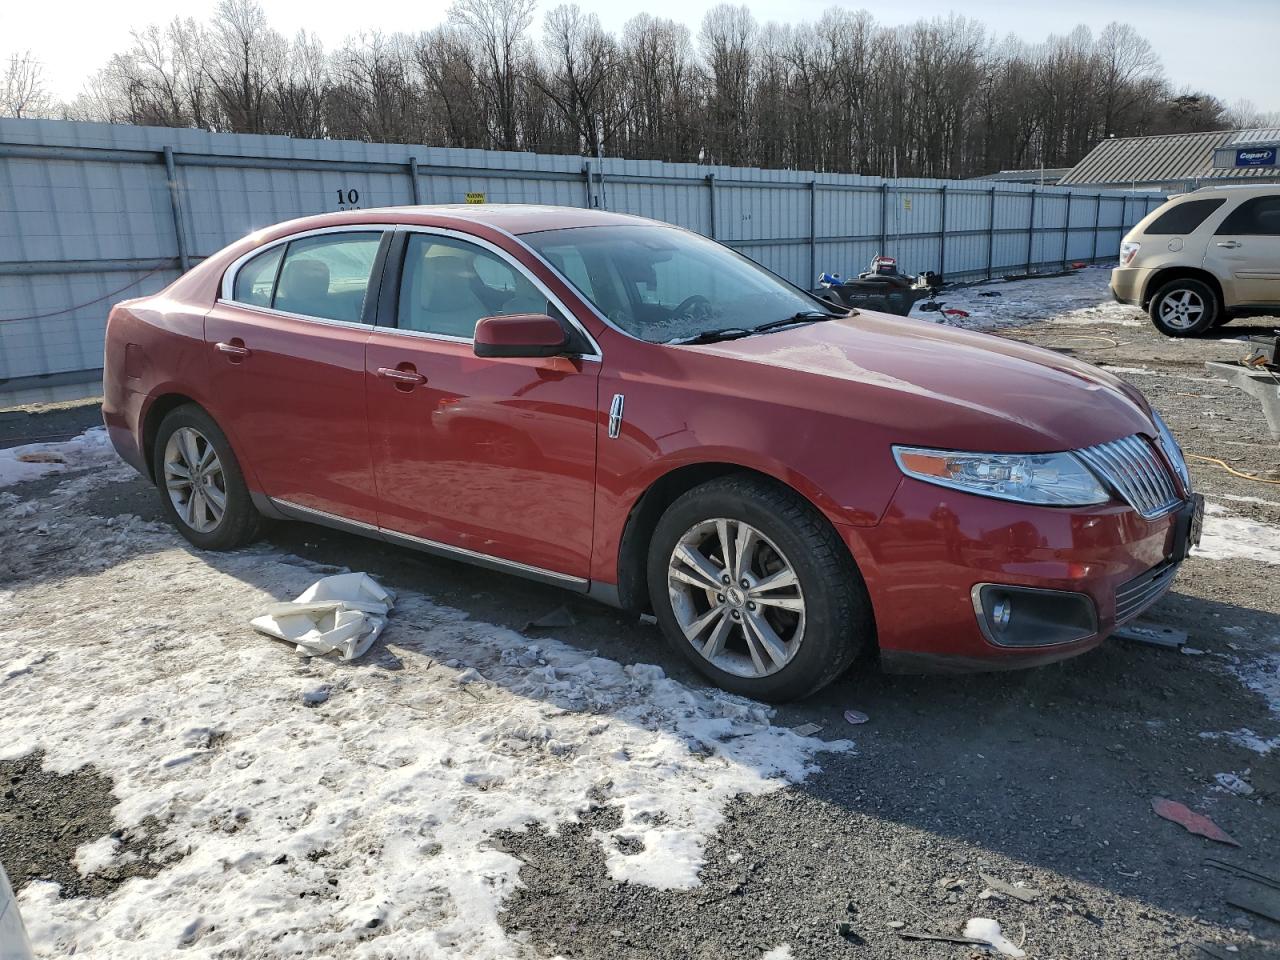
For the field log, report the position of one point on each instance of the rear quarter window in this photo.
(1183, 218)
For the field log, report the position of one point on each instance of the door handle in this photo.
(411, 377)
(235, 350)
(1229, 244)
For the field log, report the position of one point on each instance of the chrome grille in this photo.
(1135, 471)
(1134, 596)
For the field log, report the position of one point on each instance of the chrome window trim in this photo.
(272, 312)
(227, 289)
(504, 255)
(409, 538)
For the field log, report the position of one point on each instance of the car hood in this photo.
(931, 384)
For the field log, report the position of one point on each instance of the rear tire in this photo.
(1185, 308)
(794, 612)
(202, 488)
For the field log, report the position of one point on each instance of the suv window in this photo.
(1183, 218)
(256, 279)
(1256, 217)
(327, 276)
(448, 285)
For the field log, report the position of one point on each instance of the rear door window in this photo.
(1256, 217)
(1183, 218)
(327, 276)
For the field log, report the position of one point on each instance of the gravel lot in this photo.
(1043, 778)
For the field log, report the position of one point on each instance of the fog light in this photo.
(1001, 611)
(1045, 617)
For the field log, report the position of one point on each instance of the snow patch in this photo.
(1079, 297)
(359, 824)
(780, 952)
(1227, 536)
(91, 448)
(95, 857)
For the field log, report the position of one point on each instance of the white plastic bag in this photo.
(343, 613)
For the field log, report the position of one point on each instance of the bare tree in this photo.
(582, 64)
(247, 54)
(22, 90)
(498, 28)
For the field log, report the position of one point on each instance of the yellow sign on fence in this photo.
(475, 198)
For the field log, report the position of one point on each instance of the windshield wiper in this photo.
(714, 336)
(804, 316)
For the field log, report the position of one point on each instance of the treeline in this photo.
(940, 98)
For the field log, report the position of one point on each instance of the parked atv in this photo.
(880, 288)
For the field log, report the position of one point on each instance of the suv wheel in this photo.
(201, 487)
(754, 588)
(1184, 308)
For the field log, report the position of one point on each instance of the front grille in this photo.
(1136, 472)
(1134, 596)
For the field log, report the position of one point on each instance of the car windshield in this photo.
(664, 284)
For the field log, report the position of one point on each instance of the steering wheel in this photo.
(687, 305)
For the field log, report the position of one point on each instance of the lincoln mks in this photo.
(629, 410)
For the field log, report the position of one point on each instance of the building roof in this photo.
(1168, 158)
(1048, 175)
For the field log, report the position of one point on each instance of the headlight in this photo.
(1128, 250)
(1171, 450)
(1052, 479)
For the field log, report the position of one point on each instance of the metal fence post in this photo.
(884, 216)
(1097, 221)
(1066, 233)
(991, 235)
(813, 230)
(586, 183)
(413, 181)
(711, 200)
(1031, 229)
(175, 202)
(942, 234)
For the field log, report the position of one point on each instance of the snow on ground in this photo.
(1230, 537)
(32, 461)
(1080, 297)
(361, 826)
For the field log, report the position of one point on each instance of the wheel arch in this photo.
(633, 547)
(156, 411)
(1167, 274)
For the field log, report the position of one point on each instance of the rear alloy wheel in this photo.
(755, 589)
(1184, 308)
(202, 489)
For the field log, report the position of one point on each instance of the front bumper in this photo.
(933, 546)
(1128, 284)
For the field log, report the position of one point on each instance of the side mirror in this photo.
(520, 335)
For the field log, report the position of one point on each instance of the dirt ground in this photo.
(1043, 777)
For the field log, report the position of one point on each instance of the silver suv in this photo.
(1203, 258)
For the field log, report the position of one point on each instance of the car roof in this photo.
(1236, 188)
(516, 218)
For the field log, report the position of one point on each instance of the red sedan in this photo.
(632, 411)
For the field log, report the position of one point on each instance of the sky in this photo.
(1211, 51)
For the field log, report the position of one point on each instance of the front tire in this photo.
(202, 488)
(1185, 308)
(753, 587)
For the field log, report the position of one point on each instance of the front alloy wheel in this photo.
(754, 588)
(736, 597)
(194, 480)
